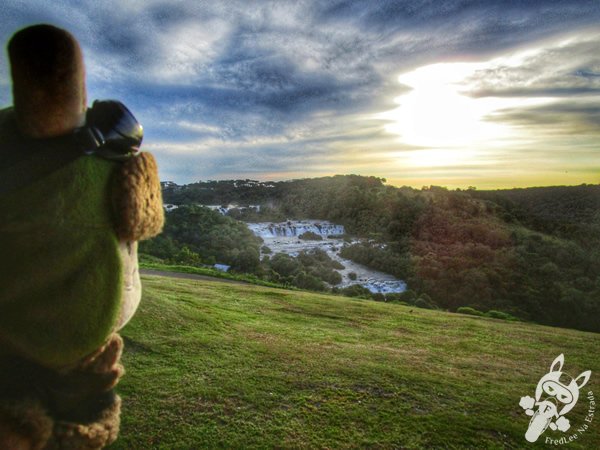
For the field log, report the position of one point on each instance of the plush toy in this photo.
(69, 277)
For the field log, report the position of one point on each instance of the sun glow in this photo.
(438, 157)
(438, 115)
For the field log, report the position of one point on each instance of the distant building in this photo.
(169, 185)
(169, 207)
(222, 267)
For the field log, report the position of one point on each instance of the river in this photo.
(283, 238)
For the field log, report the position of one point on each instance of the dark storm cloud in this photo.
(473, 26)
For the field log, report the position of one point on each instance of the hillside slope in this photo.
(212, 364)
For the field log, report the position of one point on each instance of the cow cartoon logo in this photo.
(555, 395)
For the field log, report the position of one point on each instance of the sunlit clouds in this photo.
(536, 108)
(434, 113)
(449, 93)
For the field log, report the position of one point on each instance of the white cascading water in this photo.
(283, 237)
(295, 228)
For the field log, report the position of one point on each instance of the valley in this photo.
(529, 254)
(284, 237)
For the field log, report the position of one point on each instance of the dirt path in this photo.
(187, 276)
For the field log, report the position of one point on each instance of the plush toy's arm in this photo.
(138, 199)
(70, 409)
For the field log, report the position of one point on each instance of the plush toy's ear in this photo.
(138, 199)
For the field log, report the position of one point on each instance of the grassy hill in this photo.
(219, 365)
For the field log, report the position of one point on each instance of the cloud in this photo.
(570, 117)
(240, 87)
(458, 27)
(563, 74)
(568, 66)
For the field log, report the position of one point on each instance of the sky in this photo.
(490, 94)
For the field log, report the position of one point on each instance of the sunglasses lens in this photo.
(116, 124)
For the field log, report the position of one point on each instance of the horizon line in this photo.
(385, 182)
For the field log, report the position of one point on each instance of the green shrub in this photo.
(307, 281)
(470, 311)
(379, 297)
(145, 258)
(356, 290)
(352, 276)
(331, 276)
(409, 295)
(285, 265)
(337, 265)
(395, 297)
(499, 315)
(187, 257)
(423, 303)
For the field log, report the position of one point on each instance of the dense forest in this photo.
(194, 235)
(197, 236)
(532, 253)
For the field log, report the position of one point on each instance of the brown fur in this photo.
(48, 81)
(138, 199)
(96, 435)
(24, 425)
(105, 358)
(98, 373)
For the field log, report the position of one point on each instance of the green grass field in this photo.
(218, 365)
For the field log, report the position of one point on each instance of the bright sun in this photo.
(438, 116)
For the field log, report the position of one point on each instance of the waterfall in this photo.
(295, 228)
